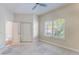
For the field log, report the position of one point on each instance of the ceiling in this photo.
(27, 7)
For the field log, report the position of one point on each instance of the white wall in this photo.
(19, 19)
(4, 16)
(35, 26)
(33, 19)
(71, 15)
(23, 18)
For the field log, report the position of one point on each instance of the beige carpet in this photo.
(39, 48)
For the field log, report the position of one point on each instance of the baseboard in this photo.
(69, 48)
(25, 41)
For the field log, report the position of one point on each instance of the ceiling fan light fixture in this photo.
(40, 4)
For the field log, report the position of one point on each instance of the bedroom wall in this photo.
(28, 18)
(23, 18)
(5, 15)
(35, 26)
(71, 15)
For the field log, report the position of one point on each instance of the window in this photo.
(54, 28)
(58, 28)
(48, 28)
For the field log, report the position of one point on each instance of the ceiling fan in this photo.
(39, 4)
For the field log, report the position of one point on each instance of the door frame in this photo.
(31, 31)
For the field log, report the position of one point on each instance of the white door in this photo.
(16, 31)
(26, 32)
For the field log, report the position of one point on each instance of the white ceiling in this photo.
(27, 7)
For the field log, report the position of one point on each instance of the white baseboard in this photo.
(69, 48)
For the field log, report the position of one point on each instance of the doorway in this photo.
(25, 32)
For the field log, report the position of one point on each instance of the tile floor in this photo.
(39, 48)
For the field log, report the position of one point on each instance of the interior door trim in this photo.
(31, 30)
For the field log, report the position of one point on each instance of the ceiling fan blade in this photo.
(41, 4)
(34, 7)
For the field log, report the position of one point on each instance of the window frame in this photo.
(53, 35)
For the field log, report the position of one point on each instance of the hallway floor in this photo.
(39, 48)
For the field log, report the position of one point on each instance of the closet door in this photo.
(16, 31)
(26, 32)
